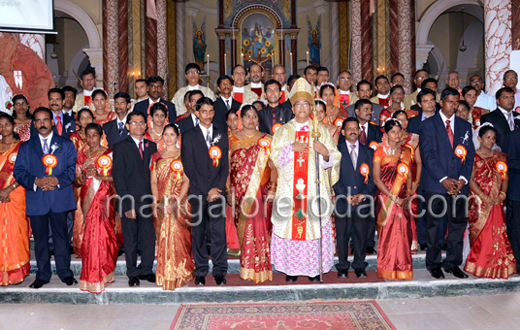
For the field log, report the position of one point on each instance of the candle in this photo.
(242, 60)
(207, 65)
(290, 63)
(272, 58)
(307, 58)
(225, 63)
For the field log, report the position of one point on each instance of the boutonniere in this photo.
(146, 145)
(465, 138)
(216, 139)
(67, 126)
(54, 147)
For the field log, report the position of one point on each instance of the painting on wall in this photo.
(258, 42)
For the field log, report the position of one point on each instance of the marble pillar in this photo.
(344, 35)
(136, 66)
(110, 47)
(162, 44)
(180, 13)
(394, 40)
(497, 34)
(172, 50)
(515, 23)
(95, 57)
(123, 46)
(334, 41)
(381, 37)
(405, 42)
(367, 65)
(355, 16)
(150, 42)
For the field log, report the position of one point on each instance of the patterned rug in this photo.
(359, 315)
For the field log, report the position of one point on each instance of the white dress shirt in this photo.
(230, 100)
(121, 121)
(195, 120)
(205, 133)
(509, 118)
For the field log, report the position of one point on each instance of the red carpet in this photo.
(279, 279)
(365, 315)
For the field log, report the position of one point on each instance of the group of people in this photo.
(284, 172)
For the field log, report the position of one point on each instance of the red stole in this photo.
(300, 184)
(258, 91)
(87, 99)
(282, 99)
(239, 97)
(344, 99)
(384, 102)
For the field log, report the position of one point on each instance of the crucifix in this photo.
(300, 160)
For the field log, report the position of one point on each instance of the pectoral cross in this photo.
(300, 160)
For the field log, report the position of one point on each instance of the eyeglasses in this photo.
(343, 78)
(511, 78)
(135, 123)
(193, 72)
(304, 105)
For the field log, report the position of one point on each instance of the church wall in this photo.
(70, 39)
(93, 9)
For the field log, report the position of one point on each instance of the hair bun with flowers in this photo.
(327, 83)
(483, 125)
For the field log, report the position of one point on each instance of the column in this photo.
(334, 41)
(366, 42)
(95, 57)
(394, 40)
(355, 17)
(110, 47)
(162, 44)
(151, 41)
(405, 41)
(344, 35)
(179, 37)
(123, 46)
(172, 50)
(497, 34)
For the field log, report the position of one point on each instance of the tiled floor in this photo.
(468, 312)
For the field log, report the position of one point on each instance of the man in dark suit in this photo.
(208, 175)
(155, 89)
(49, 194)
(131, 173)
(431, 84)
(224, 102)
(427, 105)
(69, 99)
(191, 120)
(445, 176)
(352, 206)
(427, 108)
(274, 112)
(63, 124)
(115, 130)
(364, 92)
(504, 120)
(512, 148)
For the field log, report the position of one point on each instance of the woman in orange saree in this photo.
(491, 255)
(170, 188)
(411, 141)
(14, 225)
(158, 120)
(85, 117)
(99, 248)
(253, 178)
(393, 178)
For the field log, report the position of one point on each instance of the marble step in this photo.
(422, 286)
(419, 262)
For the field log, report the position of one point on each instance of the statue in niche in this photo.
(199, 44)
(314, 42)
(257, 40)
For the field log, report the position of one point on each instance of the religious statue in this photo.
(314, 42)
(199, 44)
(5, 96)
(258, 40)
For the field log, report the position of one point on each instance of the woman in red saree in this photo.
(14, 225)
(411, 141)
(233, 247)
(99, 248)
(469, 93)
(393, 178)
(102, 112)
(85, 117)
(170, 188)
(334, 130)
(158, 120)
(253, 178)
(491, 255)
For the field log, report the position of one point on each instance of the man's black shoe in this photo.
(456, 271)
(200, 280)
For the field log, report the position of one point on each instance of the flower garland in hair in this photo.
(245, 105)
(261, 101)
(485, 124)
(327, 83)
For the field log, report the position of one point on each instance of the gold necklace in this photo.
(249, 136)
(97, 155)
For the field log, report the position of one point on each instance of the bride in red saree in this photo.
(392, 177)
(99, 248)
(14, 225)
(253, 178)
(170, 188)
(491, 255)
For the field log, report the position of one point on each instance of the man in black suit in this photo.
(131, 173)
(191, 120)
(224, 102)
(115, 130)
(364, 92)
(69, 93)
(445, 176)
(274, 112)
(504, 120)
(512, 148)
(427, 108)
(63, 124)
(49, 196)
(352, 206)
(208, 175)
(155, 89)
(429, 83)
